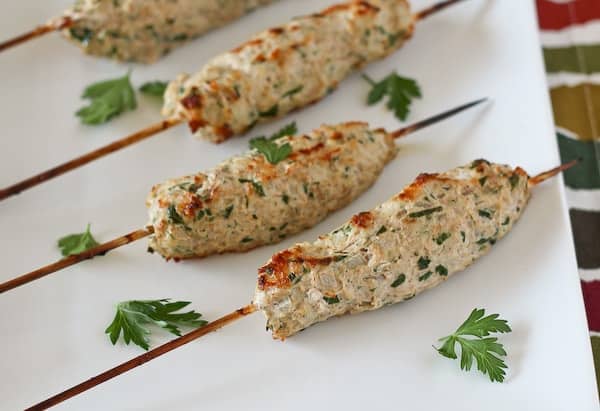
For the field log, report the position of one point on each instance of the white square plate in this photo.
(52, 330)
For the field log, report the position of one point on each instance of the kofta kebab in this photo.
(138, 30)
(247, 201)
(435, 227)
(277, 71)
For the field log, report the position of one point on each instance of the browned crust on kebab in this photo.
(276, 273)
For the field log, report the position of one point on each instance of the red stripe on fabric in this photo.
(591, 297)
(556, 16)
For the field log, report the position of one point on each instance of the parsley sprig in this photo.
(273, 152)
(154, 88)
(77, 243)
(108, 99)
(133, 317)
(485, 351)
(400, 92)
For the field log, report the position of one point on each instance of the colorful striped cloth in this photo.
(570, 34)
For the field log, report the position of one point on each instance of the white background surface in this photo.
(51, 331)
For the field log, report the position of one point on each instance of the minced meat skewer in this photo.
(434, 228)
(246, 201)
(139, 30)
(279, 70)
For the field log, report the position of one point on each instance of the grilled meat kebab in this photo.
(246, 201)
(287, 67)
(145, 30)
(435, 227)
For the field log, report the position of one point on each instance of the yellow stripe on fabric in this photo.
(577, 109)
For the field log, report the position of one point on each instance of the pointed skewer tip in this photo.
(434, 9)
(435, 118)
(541, 177)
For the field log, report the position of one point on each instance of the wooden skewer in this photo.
(88, 158)
(434, 119)
(144, 358)
(535, 180)
(434, 9)
(210, 327)
(136, 235)
(138, 136)
(76, 258)
(39, 31)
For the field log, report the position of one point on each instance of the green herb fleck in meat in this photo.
(425, 212)
(291, 92)
(257, 186)
(425, 276)
(272, 112)
(514, 180)
(227, 211)
(442, 237)
(83, 35)
(486, 212)
(423, 263)
(399, 281)
(174, 216)
(331, 300)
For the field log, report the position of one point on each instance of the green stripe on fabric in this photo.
(586, 174)
(596, 352)
(576, 59)
(570, 106)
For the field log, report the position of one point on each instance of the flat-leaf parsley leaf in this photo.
(154, 88)
(108, 98)
(273, 152)
(133, 317)
(77, 243)
(400, 92)
(486, 351)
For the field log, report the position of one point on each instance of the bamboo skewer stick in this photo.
(540, 178)
(210, 327)
(434, 9)
(39, 31)
(144, 358)
(434, 119)
(76, 258)
(136, 235)
(140, 135)
(88, 158)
